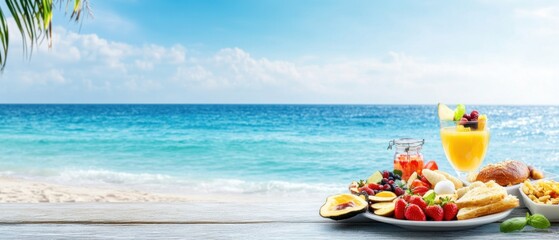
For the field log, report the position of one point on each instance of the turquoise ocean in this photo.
(244, 149)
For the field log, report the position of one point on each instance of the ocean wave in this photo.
(171, 184)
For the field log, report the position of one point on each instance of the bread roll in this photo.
(504, 173)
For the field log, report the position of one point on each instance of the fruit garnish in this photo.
(387, 211)
(459, 112)
(445, 113)
(400, 208)
(461, 128)
(432, 165)
(481, 121)
(417, 200)
(386, 194)
(450, 209)
(414, 213)
(474, 115)
(343, 206)
(435, 212)
(399, 191)
(375, 177)
(367, 190)
(380, 205)
(418, 183)
(471, 124)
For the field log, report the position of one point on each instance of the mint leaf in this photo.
(398, 172)
(429, 199)
(513, 224)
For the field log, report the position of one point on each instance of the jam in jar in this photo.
(408, 157)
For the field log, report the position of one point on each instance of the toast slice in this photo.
(483, 195)
(463, 190)
(499, 206)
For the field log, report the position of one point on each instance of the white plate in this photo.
(513, 190)
(442, 225)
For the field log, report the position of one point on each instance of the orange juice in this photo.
(464, 150)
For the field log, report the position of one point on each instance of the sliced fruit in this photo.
(481, 122)
(461, 128)
(387, 211)
(380, 205)
(432, 165)
(445, 113)
(420, 190)
(376, 177)
(384, 196)
(343, 206)
(419, 183)
(459, 112)
(411, 179)
(354, 187)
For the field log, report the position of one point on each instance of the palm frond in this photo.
(33, 19)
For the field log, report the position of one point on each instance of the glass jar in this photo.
(407, 156)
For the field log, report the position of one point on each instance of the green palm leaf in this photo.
(33, 19)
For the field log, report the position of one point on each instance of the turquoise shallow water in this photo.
(244, 148)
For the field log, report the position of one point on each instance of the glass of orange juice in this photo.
(464, 145)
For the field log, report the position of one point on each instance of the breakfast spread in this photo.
(507, 173)
(418, 191)
(433, 195)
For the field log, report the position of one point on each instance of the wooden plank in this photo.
(168, 213)
(256, 231)
(299, 220)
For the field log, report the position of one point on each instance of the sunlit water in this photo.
(266, 149)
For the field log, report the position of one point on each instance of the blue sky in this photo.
(483, 52)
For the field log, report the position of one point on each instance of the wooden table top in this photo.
(216, 220)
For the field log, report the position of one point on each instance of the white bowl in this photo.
(551, 212)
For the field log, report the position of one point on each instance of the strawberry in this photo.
(407, 197)
(368, 190)
(432, 165)
(435, 212)
(417, 200)
(418, 183)
(420, 190)
(450, 210)
(414, 213)
(424, 180)
(400, 208)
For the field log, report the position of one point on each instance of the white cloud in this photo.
(545, 13)
(87, 68)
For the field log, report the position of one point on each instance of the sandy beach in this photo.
(14, 190)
